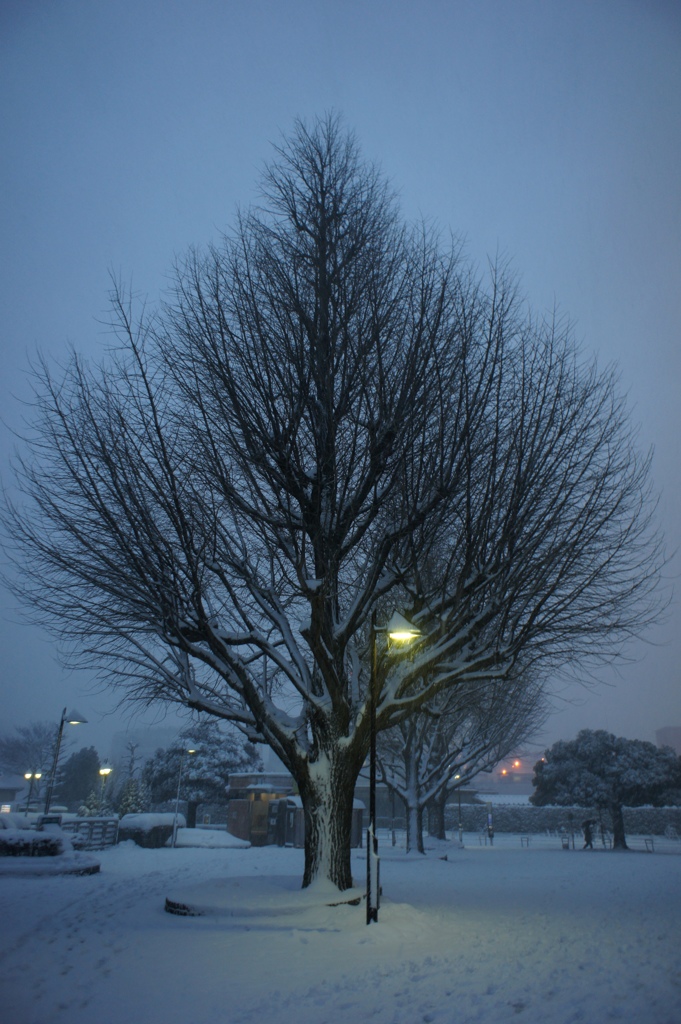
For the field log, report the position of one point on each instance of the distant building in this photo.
(670, 736)
(12, 789)
(264, 808)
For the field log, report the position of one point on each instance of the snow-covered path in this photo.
(490, 935)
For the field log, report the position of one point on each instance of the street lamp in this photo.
(105, 772)
(402, 631)
(188, 750)
(73, 718)
(30, 778)
(458, 790)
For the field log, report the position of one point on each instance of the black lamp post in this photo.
(187, 750)
(460, 822)
(105, 772)
(400, 630)
(73, 718)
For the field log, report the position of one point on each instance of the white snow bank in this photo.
(71, 862)
(145, 822)
(213, 839)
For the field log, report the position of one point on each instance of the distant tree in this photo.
(598, 769)
(128, 767)
(130, 764)
(78, 777)
(134, 797)
(511, 718)
(465, 732)
(30, 749)
(92, 807)
(220, 752)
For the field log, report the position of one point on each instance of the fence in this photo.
(92, 833)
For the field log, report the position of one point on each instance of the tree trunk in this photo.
(436, 816)
(618, 839)
(327, 793)
(415, 828)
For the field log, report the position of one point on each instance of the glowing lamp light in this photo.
(400, 629)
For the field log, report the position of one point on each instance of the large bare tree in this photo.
(327, 398)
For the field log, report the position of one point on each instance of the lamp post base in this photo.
(373, 877)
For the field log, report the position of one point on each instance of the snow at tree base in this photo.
(491, 935)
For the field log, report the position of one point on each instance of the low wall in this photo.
(525, 818)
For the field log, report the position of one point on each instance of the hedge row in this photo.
(524, 818)
(22, 843)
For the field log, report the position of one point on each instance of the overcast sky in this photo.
(548, 132)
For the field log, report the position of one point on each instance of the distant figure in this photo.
(588, 835)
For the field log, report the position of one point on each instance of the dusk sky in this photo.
(543, 131)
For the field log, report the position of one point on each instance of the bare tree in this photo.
(328, 397)
(130, 766)
(442, 747)
(30, 749)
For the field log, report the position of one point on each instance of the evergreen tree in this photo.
(134, 797)
(219, 752)
(608, 772)
(78, 777)
(92, 806)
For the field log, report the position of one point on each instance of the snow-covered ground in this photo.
(492, 934)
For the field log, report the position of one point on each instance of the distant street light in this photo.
(32, 776)
(105, 772)
(402, 631)
(73, 718)
(188, 750)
